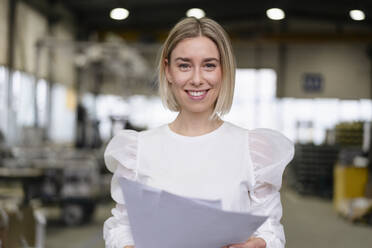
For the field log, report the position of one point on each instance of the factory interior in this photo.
(73, 73)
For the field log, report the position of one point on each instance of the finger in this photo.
(238, 246)
(248, 244)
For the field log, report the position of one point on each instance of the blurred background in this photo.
(74, 72)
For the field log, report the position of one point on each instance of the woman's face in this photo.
(195, 74)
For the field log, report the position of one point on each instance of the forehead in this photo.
(198, 47)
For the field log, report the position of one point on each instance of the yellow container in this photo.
(349, 182)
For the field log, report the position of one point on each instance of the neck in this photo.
(194, 124)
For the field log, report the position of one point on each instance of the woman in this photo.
(198, 154)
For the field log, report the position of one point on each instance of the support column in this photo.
(36, 79)
(368, 192)
(281, 73)
(49, 100)
(51, 78)
(10, 127)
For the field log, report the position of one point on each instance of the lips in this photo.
(197, 94)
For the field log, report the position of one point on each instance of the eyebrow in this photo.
(188, 60)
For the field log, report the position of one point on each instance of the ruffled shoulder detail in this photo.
(270, 153)
(122, 151)
(121, 159)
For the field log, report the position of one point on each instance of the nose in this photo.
(197, 78)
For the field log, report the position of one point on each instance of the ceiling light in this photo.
(357, 15)
(195, 12)
(275, 14)
(119, 14)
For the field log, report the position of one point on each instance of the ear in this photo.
(167, 71)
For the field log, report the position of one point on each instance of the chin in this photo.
(199, 110)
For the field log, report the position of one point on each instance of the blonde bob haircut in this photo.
(191, 27)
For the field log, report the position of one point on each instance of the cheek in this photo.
(214, 78)
(179, 79)
(177, 86)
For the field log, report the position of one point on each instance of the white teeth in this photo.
(197, 93)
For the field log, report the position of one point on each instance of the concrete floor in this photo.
(309, 222)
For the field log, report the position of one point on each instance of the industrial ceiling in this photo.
(238, 16)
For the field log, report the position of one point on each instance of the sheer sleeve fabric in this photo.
(270, 152)
(120, 159)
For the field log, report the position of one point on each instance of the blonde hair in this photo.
(191, 27)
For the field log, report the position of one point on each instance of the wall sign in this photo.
(312, 82)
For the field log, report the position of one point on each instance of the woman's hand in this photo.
(251, 243)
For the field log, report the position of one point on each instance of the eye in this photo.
(210, 66)
(184, 66)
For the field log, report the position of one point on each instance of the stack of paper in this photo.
(159, 219)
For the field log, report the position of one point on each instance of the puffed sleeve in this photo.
(121, 159)
(270, 153)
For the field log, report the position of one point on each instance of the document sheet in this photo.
(160, 219)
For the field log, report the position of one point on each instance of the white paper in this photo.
(160, 219)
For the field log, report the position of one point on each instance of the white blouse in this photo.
(241, 167)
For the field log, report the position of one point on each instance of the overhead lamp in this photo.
(195, 12)
(357, 15)
(119, 13)
(275, 14)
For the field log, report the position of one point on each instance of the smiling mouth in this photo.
(197, 94)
